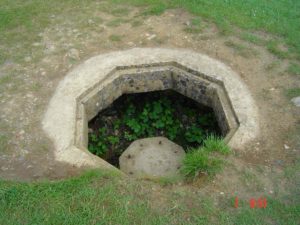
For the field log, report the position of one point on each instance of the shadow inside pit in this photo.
(150, 114)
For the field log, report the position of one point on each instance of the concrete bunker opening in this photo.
(115, 112)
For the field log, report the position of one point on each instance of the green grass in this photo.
(212, 143)
(273, 65)
(22, 21)
(136, 23)
(252, 38)
(193, 30)
(155, 10)
(166, 181)
(292, 92)
(5, 79)
(3, 142)
(195, 26)
(89, 199)
(197, 162)
(273, 47)
(115, 38)
(241, 49)
(120, 12)
(251, 180)
(115, 22)
(204, 159)
(281, 18)
(99, 197)
(294, 69)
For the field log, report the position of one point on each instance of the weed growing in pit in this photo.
(98, 144)
(213, 143)
(206, 159)
(156, 115)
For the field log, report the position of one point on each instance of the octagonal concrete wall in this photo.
(204, 90)
(74, 101)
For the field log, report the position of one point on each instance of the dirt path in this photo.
(26, 151)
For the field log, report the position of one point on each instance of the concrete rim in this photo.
(60, 116)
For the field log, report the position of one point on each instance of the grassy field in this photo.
(281, 18)
(101, 198)
(21, 21)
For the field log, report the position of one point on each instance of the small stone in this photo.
(27, 59)
(8, 63)
(29, 95)
(3, 168)
(286, 147)
(151, 37)
(187, 23)
(50, 48)
(221, 193)
(73, 54)
(271, 192)
(279, 162)
(36, 44)
(296, 101)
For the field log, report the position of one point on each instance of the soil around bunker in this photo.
(151, 114)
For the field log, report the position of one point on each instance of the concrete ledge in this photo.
(76, 99)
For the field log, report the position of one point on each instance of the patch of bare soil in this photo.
(26, 152)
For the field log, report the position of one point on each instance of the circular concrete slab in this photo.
(152, 157)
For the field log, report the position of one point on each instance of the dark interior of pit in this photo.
(150, 114)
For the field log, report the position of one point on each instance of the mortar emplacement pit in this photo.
(98, 82)
(151, 114)
(138, 102)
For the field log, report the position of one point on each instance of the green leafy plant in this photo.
(150, 116)
(129, 137)
(97, 144)
(113, 140)
(194, 134)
